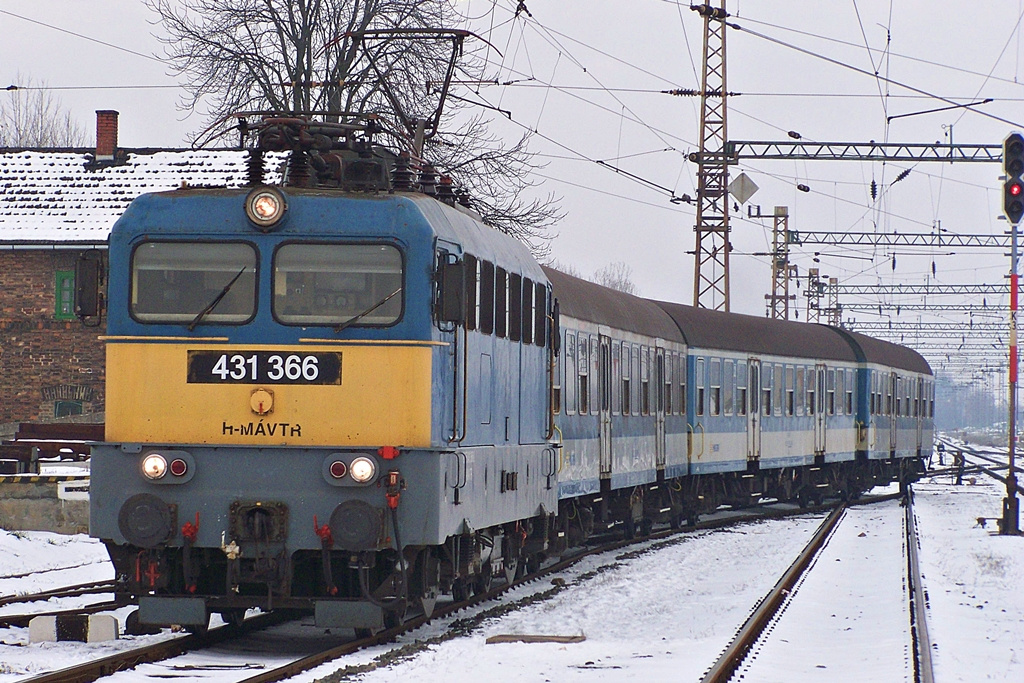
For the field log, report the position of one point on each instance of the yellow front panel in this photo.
(383, 399)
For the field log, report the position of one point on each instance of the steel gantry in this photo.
(896, 239)
(862, 151)
(782, 271)
(711, 269)
(944, 329)
(901, 289)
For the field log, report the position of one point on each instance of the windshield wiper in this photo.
(368, 311)
(213, 304)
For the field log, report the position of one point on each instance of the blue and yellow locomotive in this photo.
(344, 393)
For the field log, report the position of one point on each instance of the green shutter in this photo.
(64, 303)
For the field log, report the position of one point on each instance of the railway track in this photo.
(806, 626)
(991, 469)
(94, 670)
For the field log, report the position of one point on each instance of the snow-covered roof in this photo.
(60, 197)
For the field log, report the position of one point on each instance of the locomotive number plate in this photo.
(263, 367)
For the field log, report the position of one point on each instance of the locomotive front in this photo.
(271, 365)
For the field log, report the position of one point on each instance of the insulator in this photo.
(803, 188)
(901, 176)
(894, 263)
(874, 190)
(463, 198)
(298, 169)
(428, 180)
(933, 268)
(401, 177)
(254, 167)
(445, 193)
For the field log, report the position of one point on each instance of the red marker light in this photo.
(338, 469)
(179, 467)
(1015, 189)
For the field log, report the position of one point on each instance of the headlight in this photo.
(265, 206)
(362, 469)
(154, 466)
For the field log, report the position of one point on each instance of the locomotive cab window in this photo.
(338, 284)
(176, 282)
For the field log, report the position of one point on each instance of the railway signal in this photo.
(1013, 185)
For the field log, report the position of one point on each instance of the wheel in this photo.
(132, 626)
(483, 580)
(629, 528)
(460, 591)
(233, 617)
(363, 633)
(646, 526)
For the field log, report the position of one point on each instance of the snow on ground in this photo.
(664, 613)
(851, 607)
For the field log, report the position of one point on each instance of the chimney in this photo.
(106, 134)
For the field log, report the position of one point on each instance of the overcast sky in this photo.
(606, 63)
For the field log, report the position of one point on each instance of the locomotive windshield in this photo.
(338, 284)
(174, 282)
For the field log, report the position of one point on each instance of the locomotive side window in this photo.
(527, 311)
(486, 297)
(556, 388)
(500, 302)
(472, 278)
(540, 314)
(515, 306)
(175, 282)
(338, 284)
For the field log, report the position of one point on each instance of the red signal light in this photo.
(1015, 189)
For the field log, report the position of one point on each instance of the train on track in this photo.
(342, 392)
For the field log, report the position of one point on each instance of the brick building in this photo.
(56, 204)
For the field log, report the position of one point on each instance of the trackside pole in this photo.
(1011, 506)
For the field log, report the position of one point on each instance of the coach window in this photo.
(741, 387)
(527, 311)
(715, 383)
(830, 392)
(486, 297)
(699, 379)
(175, 282)
(571, 382)
(616, 378)
(840, 390)
(790, 392)
(645, 381)
(681, 374)
(778, 389)
(671, 360)
(556, 383)
(583, 349)
(812, 407)
(540, 314)
(799, 392)
(849, 392)
(766, 389)
(625, 380)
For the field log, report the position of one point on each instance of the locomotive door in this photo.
(753, 409)
(605, 389)
(894, 409)
(659, 422)
(819, 408)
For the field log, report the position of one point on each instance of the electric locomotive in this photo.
(299, 414)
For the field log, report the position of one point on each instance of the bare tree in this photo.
(309, 56)
(618, 276)
(30, 116)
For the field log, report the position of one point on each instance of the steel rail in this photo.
(91, 671)
(105, 586)
(923, 667)
(754, 626)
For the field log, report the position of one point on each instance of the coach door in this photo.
(753, 409)
(659, 406)
(819, 408)
(605, 378)
(919, 410)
